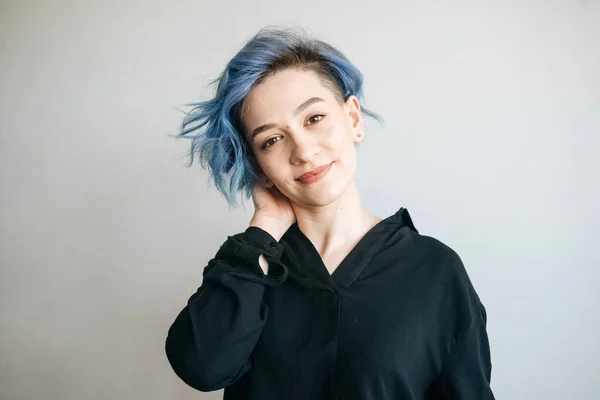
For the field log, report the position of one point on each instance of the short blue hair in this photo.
(214, 126)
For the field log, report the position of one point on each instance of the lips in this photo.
(315, 174)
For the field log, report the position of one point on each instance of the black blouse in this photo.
(397, 319)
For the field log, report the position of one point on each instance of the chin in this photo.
(323, 193)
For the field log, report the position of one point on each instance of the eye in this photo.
(315, 118)
(269, 143)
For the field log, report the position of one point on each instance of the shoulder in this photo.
(435, 256)
(447, 278)
(441, 255)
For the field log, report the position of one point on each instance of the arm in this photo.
(466, 372)
(210, 342)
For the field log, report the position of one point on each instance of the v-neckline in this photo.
(347, 270)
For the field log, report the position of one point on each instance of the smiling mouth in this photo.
(315, 175)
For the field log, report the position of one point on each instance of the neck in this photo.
(337, 224)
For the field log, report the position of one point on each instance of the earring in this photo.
(359, 135)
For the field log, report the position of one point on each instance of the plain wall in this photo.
(491, 143)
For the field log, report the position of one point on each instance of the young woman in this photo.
(317, 298)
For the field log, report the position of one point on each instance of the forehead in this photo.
(280, 94)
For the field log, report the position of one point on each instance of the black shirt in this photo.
(397, 319)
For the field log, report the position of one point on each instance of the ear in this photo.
(352, 109)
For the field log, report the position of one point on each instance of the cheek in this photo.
(271, 166)
(341, 133)
(342, 142)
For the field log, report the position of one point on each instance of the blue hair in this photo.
(214, 126)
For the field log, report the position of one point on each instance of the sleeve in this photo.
(466, 373)
(210, 342)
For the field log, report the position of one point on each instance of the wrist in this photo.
(272, 226)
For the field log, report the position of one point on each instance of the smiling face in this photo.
(295, 124)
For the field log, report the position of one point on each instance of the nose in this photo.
(304, 148)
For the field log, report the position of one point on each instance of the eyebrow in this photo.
(298, 110)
